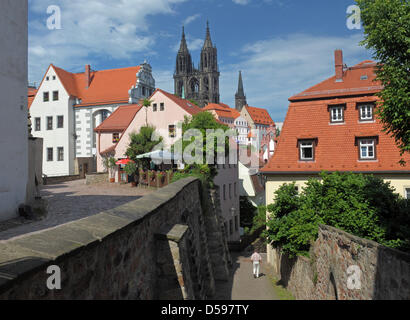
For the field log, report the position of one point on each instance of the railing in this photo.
(155, 179)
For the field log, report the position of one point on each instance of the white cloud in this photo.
(241, 2)
(277, 68)
(110, 28)
(191, 19)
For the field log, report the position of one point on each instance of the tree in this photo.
(142, 142)
(362, 205)
(109, 165)
(201, 122)
(387, 33)
(146, 104)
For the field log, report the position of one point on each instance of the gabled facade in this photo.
(331, 127)
(232, 118)
(68, 106)
(262, 130)
(165, 113)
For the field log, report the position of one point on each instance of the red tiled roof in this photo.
(106, 86)
(336, 148)
(223, 110)
(256, 184)
(183, 103)
(259, 115)
(350, 86)
(31, 93)
(109, 150)
(120, 119)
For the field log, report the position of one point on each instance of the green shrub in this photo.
(362, 205)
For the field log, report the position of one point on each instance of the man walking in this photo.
(257, 261)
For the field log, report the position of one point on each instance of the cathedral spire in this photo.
(240, 98)
(240, 86)
(208, 41)
(183, 47)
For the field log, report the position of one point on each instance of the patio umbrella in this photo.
(123, 161)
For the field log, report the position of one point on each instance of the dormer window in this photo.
(366, 112)
(367, 147)
(336, 114)
(306, 150)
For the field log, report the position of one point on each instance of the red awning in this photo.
(123, 161)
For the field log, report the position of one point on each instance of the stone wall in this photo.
(60, 179)
(161, 246)
(96, 178)
(382, 273)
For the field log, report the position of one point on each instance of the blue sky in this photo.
(281, 46)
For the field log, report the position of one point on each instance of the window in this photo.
(60, 154)
(171, 130)
(55, 95)
(366, 112)
(143, 91)
(49, 123)
(336, 114)
(307, 150)
(236, 223)
(161, 107)
(49, 154)
(407, 193)
(46, 96)
(115, 137)
(60, 121)
(37, 124)
(104, 115)
(224, 190)
(47, 78)
(230, 227)
(235, 190)
(230, 191)
(154, 107)
(54, 77)
(367, 149)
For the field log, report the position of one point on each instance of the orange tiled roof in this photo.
(31, 93)
(259, 115)
(106, 86)
(183, 103)
(354, 83)
(223, 110)
(120, 119)
(336, 148)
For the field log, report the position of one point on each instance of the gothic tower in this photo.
(202, 84)
(240, 98)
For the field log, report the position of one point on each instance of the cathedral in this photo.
(199, 84)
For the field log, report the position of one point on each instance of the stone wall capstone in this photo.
(149, 248)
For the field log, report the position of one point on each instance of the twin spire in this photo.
(207, 44)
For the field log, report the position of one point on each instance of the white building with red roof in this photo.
(333, 126)
(68, 106)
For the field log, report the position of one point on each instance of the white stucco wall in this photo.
(57, 137)
(13, 97)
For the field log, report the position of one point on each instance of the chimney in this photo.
(339, 65)
(87, 76)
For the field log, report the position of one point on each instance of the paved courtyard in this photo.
(70, 201)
